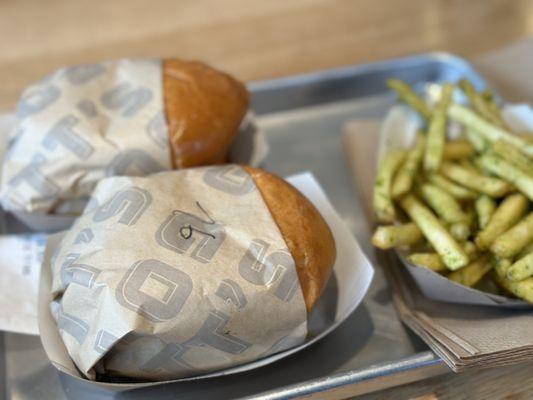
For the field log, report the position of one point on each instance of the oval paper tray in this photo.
(348, 285)
(437, 287)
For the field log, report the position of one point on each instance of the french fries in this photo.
(492, 186)
(473, 272)
(505, 170)
(387, 237)
(467, 164)
(522, 289)
(506, 215)
(482, 105)
(469, 119)
(494, 109)
(434, 262)
(511, 154)
(515, 239)
(383, 206)
(431, 261)
(470, 249)
(443, 204)
(460, 231)
(448, 209)
(437, 132)
(404, 178)
(451, 253)
(467, 201)
(527, 136)
(457, 150)
(521, 269)
(457, 191)
(407, 94)
(485, 207)
(500, 265)
(526, 250)
(477, 141)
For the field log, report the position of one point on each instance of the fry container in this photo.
(399, 132)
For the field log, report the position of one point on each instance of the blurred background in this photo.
(251, 39)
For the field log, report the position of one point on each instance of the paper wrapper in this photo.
(344, 292)
(84, 123)
(398, 132)
(176, 275)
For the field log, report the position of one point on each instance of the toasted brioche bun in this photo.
(203, 109)
(307, 235)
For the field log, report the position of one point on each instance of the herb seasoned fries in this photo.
(466, 202)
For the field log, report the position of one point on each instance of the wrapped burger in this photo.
(125, 117)
(186, 272)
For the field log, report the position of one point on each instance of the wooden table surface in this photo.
(263, 39)
(252, 39)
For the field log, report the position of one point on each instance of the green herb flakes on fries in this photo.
(387, 237)
(521, 269)
(383, 205)
(466, 201)
(407, 172)
(437, 131)
(434, 231)
(409, 96)
(431, 261)
(457, 191)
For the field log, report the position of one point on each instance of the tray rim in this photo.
(349, 70)
(422, 365)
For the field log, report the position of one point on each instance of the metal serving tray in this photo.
(302, 117)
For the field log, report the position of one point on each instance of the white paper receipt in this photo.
(20, 264)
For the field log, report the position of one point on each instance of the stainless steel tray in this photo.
(302, 117)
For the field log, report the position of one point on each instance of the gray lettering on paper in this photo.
(81, 74)
(259, 269)
(87, 108)
(157, 130)
(36, 100)
(215, 333)
(229, 290)
(81, 274)
(104, 341)
(168, 360)
(134, 162)
(130, 204)
(62, 133)
(130, 292)
(72, 325)
(32, 176)
(230, 179)
(85, 236)
(126, 98)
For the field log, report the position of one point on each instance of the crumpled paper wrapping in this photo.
(399, 131)
(160, 279)
(87, 122)
(79, 125)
